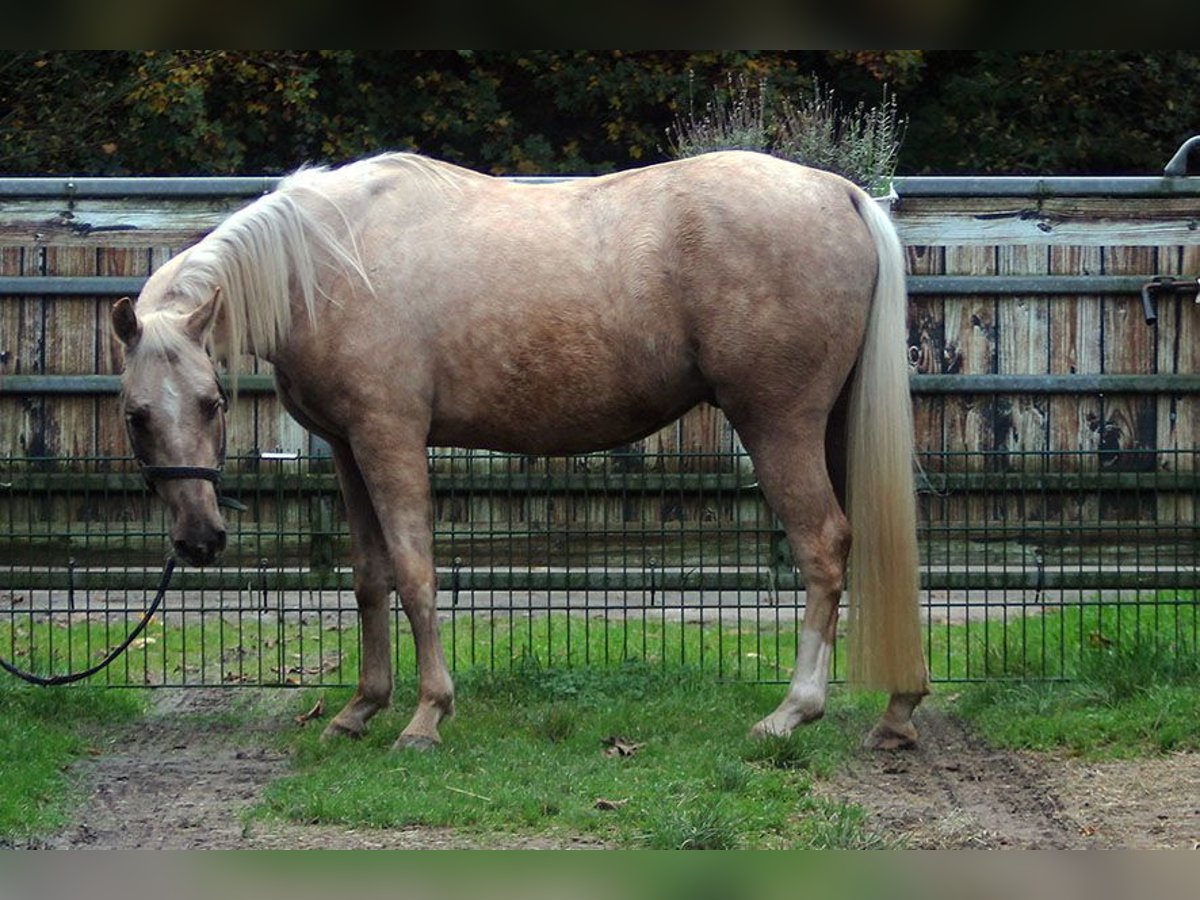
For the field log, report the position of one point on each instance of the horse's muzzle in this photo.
(201, 549)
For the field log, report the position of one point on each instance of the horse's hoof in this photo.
(888, 737)
(418, 742)
(765, 729)
(335, 731)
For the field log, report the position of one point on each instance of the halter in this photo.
(211, 474)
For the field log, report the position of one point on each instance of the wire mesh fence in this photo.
(1030, 561)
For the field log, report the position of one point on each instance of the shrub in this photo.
(861, 144)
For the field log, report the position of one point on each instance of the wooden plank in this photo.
(12, 323)
(1074, 334)
(134, 222)
(1084, 221)
(111, 440)
(1129, 426)
(927, 354)
(1094, 222)
(69, 334)
(1178, 351)
(29, 358)
(703, 433)
(970, 349)
(1074, 434)
(1098, 208)
(1023, 347)
(946, 334)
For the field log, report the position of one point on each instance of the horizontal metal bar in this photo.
(45, 385)
(30, 385)
(117, 188)
(661, 581)
(1058, 482)
(906, 186)
(1000, 285)
(1041, 186)
(1078, 383)
(69, 285)
(1019, 285)
(246, 485)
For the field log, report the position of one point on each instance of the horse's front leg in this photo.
(373, 584)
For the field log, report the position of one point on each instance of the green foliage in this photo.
(233, 112)
(1059, 111)
(217, 112)
(41, 732)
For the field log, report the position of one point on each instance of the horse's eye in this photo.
(211, 406)
(138, 418)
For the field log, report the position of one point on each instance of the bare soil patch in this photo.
(955, 791)
(185, 777)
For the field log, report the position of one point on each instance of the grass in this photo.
(253, 647)
(41, 732)
(1111, 681)
(527, 755)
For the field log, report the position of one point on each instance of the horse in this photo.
(407, 303)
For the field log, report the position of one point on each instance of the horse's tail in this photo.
(882, 580)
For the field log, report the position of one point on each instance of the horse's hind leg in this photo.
(895, 731)
(395, 472)
(790, 463)
(372, 591)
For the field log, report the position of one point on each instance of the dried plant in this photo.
(735, 119)
(862, 145)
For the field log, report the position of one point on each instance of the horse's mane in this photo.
(282, 243)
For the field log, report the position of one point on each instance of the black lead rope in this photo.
(163, 583)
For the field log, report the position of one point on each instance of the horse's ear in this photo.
(125, 322)
(200, 320)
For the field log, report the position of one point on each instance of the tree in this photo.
(218, 112)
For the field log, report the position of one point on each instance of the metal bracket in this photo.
(1181, 163)
(1165, 284)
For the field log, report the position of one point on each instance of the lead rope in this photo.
(163, 584)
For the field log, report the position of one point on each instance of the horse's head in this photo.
(175, 415)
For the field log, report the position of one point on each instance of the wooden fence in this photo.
(1030, 349)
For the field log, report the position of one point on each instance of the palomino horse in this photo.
(407, 303)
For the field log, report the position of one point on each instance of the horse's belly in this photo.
(564, 416)
(561, 376)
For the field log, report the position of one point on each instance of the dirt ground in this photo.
(954, 791)
(181, 781)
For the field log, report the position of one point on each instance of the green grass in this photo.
(1111, 681)
(41, 732)
(255, 648)
(526, 755)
